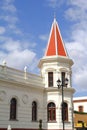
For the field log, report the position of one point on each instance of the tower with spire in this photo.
(56, 65)
(30, 101)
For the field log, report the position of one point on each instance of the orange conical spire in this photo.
(55, 44)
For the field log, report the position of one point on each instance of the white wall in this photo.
(25, 96)
(80, 101)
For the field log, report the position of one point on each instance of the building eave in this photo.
(22, 84)
(55, 89)
(60, 59)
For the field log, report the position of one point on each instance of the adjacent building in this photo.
(80, 112)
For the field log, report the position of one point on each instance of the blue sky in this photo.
(24, 29)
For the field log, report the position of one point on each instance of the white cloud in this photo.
(54, 3)
(2, 30)
(76, 14)
(81, 3)
(19, 59)
(11, 45)
(78, 53)
(78, 42)
(9, 18)
(77, 10)
(8, 6)
(14, 29)
(80, 78)
(17, 54)
(8, 14)
(44, 37)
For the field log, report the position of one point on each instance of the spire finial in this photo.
(54, 17)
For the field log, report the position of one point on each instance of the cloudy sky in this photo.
(25, 27)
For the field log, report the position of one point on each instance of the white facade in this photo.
(58, 65)
(80, 101)
(14, 85)
(26, 88)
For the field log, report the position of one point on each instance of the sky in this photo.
(24, 31)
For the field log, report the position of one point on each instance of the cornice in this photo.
(60, 59)
(21, 84)
(55, 89)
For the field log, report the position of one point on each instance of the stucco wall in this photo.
(24, 96)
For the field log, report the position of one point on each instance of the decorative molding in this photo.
(25, 99)
(2, 95)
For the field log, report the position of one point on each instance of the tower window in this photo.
(63, 78)
(50, 79)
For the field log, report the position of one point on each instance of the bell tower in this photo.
(56, 62)
(56, 65)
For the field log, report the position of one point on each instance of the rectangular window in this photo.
(50, 79)
(80, 108)
(63, 78)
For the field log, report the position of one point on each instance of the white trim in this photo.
(56, 45)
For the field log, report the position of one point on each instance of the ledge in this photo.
(51, 121)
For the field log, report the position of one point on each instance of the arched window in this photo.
(65, 111)
(51, 112)
(34, 111)
(13, 107)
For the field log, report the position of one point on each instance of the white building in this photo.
(26, 98)
(80, 112)
(80, 104)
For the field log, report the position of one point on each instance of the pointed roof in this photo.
(55, 44)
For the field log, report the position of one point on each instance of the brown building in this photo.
(80, 112)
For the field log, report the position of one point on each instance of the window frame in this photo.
(80, 108)
(64, 111)
(50, 79)
(34, 111)
(51, 112)
(13, 109)
(63, 78)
